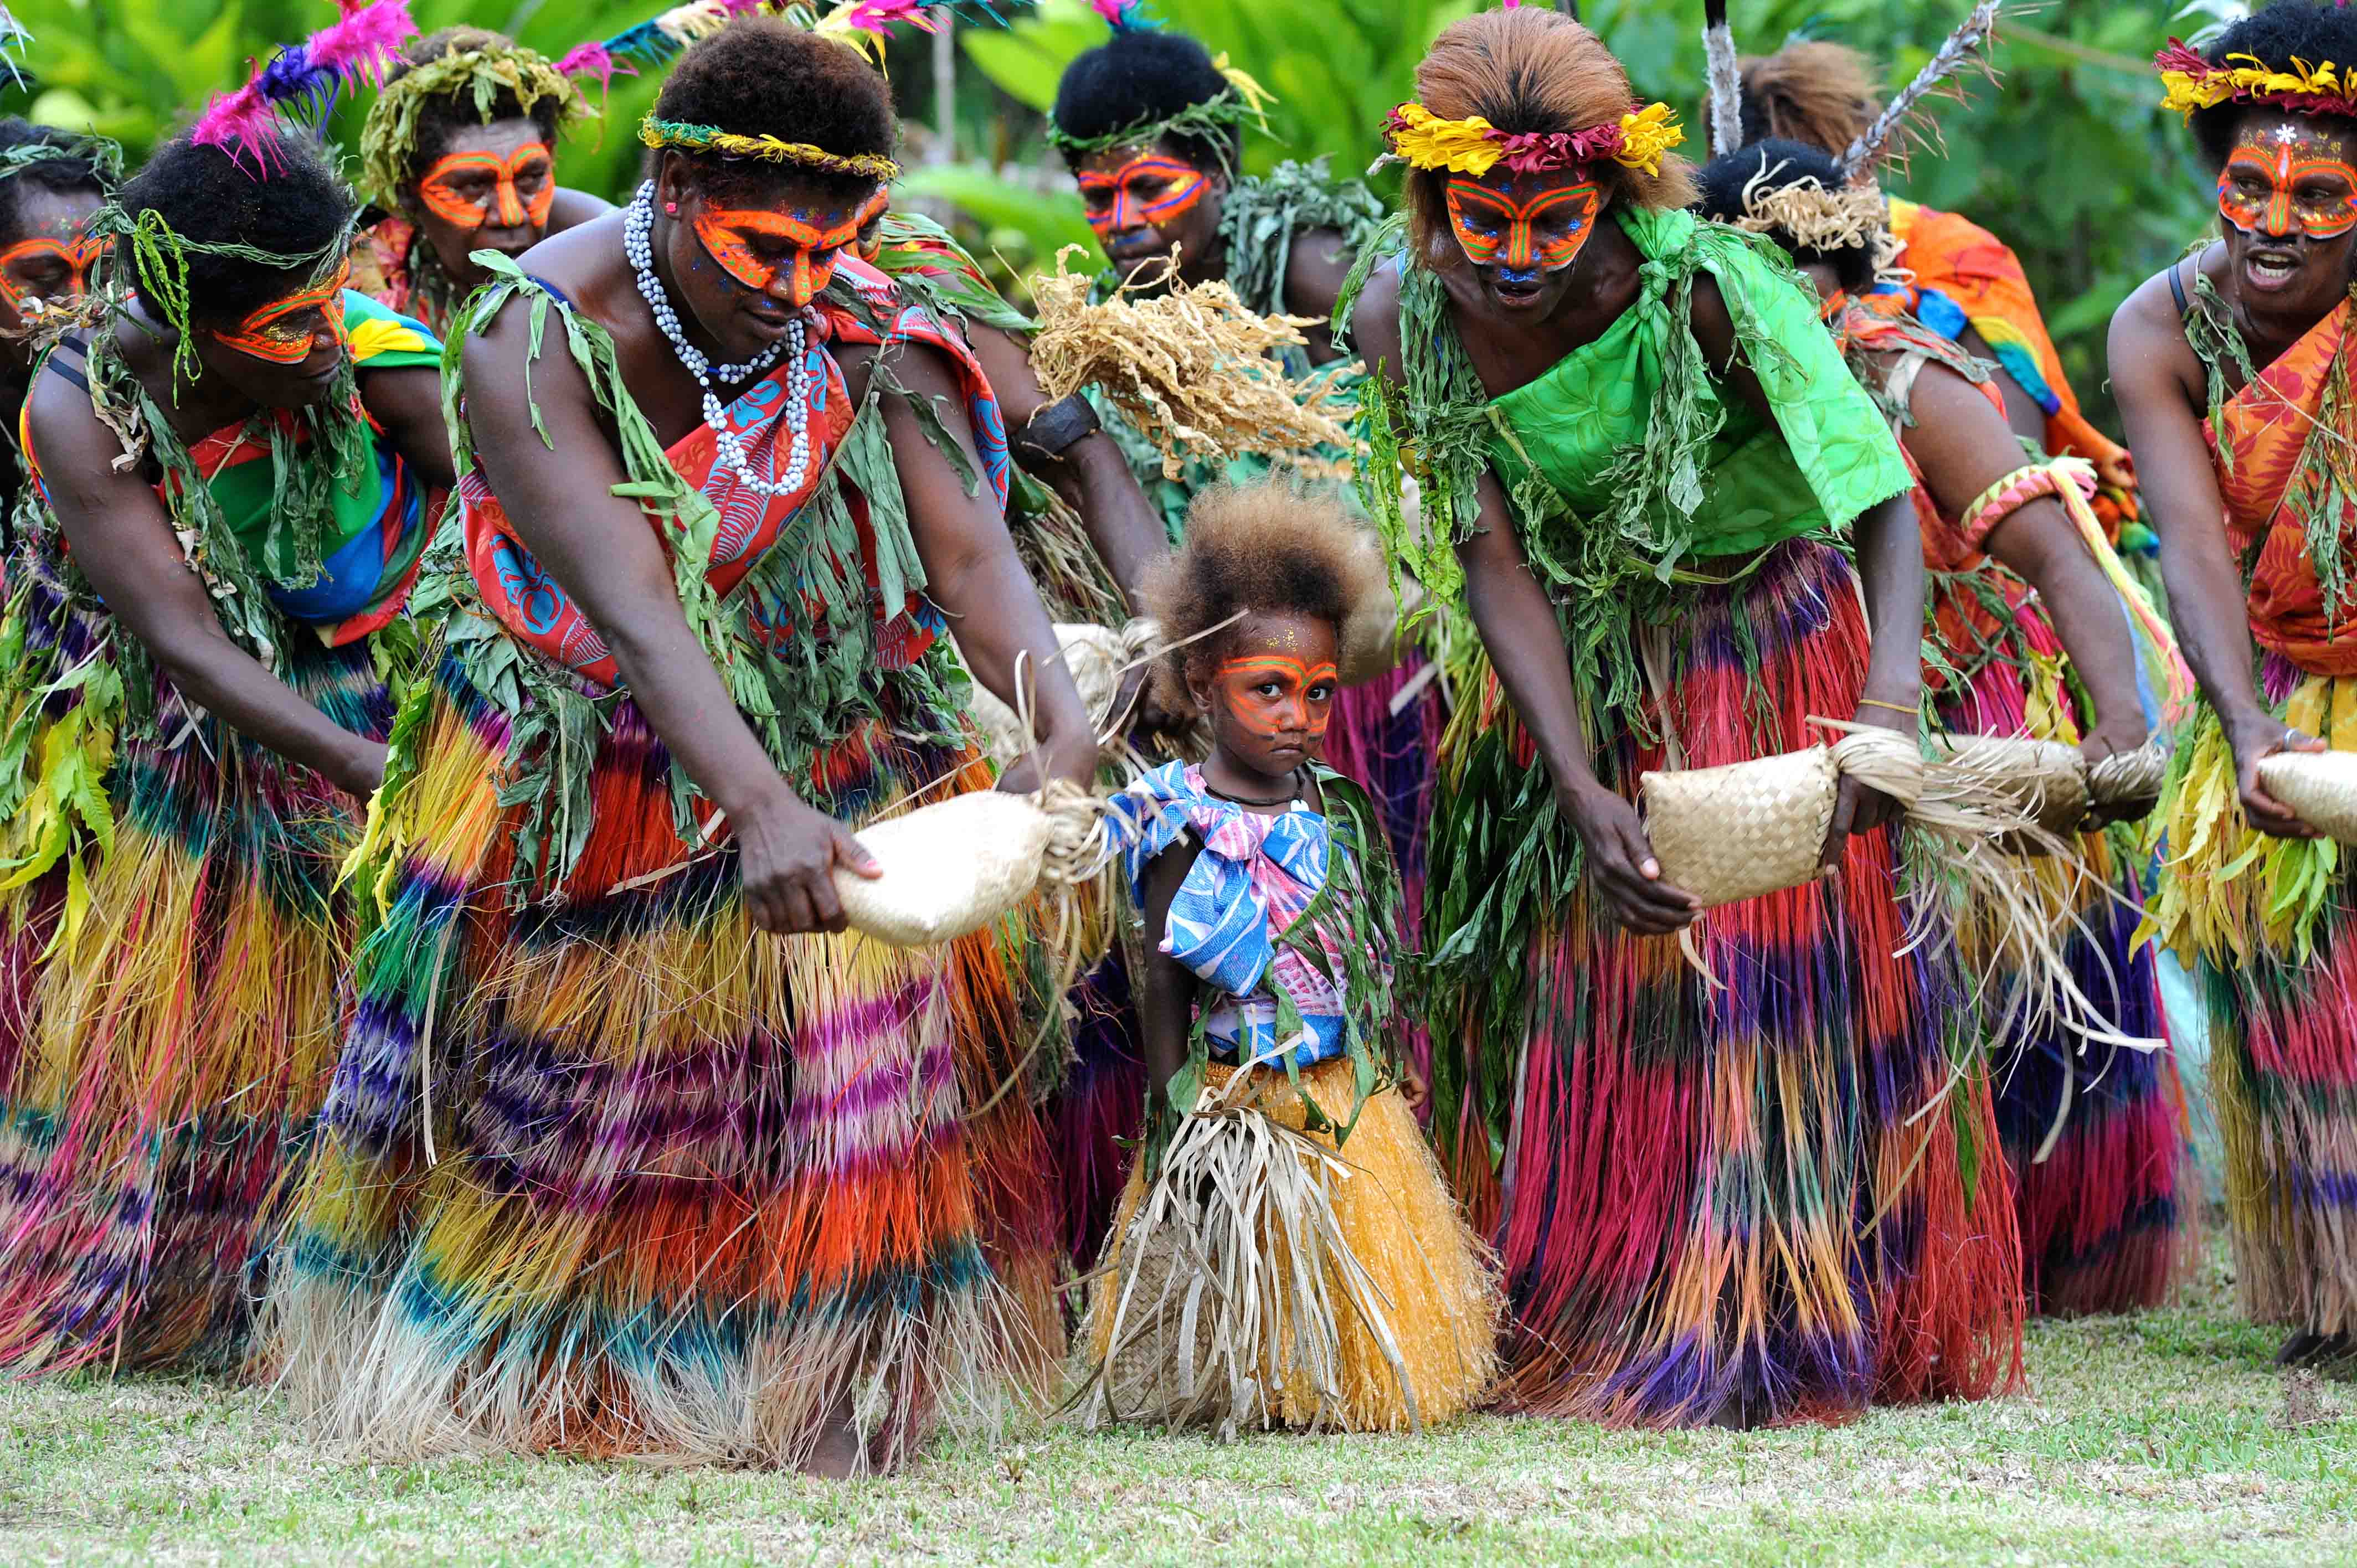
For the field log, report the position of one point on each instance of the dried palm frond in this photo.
(1190, 368)
(1234, 1279)
(1899, 128)
(1725, 82)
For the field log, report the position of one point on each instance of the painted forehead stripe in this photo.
(265, 334)
(440, 198)
(723, 230)
(1184, 186)
(1279, 663)
(1519, 247)
(2281, 208)
(77, 256)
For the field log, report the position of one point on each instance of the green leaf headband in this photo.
(101, 155)
(389, 140)
(1213, 121)
(159, 256)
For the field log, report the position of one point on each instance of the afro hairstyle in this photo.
(759, 76)
(1823, 94)
(1143, 75)
(1273, 546)
(1726, 176)
(441, 118)
(71, 170)
(1528, 69)
(2317, 34)
(300, 208)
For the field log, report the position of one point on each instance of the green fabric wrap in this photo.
(1624, 463)
(800, 694)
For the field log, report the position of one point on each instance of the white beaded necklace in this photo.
(638, 249)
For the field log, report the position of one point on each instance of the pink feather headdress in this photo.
(301, 81)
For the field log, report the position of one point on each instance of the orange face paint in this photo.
(51, 271)
(285, 333)
(1151, 190)
(2292, 179)
(470, 189)
(1527, 226)
(754, 245)
(1269, 694)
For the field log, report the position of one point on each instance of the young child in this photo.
(1285, 1252)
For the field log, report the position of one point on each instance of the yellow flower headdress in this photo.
(1421, 139)
(2193, 82)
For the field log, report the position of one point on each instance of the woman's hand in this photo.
(1620, 864)
(363, 774)
(2256, 733)
(1860, 808)
(1072, 759)
(787, 854)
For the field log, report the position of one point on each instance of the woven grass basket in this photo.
(1743, 829)
(953, 867)
(2044, 780)
(2320, 787)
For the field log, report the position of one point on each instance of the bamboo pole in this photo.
(944, 149)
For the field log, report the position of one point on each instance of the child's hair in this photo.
(1275, 545)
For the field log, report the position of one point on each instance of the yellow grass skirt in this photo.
(1419, 1268)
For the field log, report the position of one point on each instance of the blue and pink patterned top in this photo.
(1256, 875)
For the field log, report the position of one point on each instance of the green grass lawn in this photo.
(2161, 1439)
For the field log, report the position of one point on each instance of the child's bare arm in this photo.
(1165, 992)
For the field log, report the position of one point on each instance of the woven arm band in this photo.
(2032, 481)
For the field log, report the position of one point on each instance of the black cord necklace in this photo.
(1288, 800)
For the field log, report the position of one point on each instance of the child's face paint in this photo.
(1523, 224)
(1274, 695)
(1271, 699)
(471, 189)
(758, 247)
(1149, 191)
(292, 329)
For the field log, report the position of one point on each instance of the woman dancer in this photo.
(460, 151)
(51, 183)
(1642, 462)
(1968, 285)
(2040, 633)
(2231, 375)
(632, 1147)
(236, 465)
